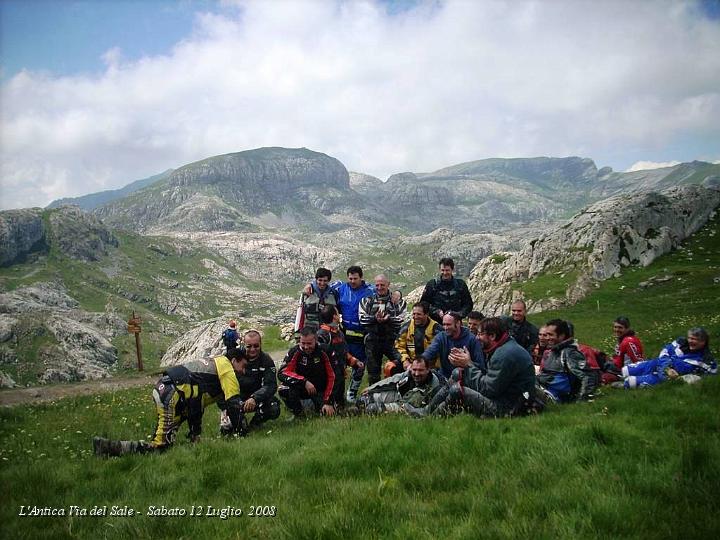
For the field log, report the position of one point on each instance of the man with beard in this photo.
(565, 374)
(501, 391)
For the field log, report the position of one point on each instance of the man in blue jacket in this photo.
(349, 296)
(455, 344)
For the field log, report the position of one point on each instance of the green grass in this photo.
(644, 464)
(552, 284)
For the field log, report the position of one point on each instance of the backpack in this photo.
(229, 338)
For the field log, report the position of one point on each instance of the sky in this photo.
(97, 94)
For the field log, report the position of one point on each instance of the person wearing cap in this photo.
(230, 336)
(182, 393)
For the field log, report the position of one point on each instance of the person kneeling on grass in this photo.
(414, 387)
(684, 357)
(506, 389)
(182, 393)
(307, 377)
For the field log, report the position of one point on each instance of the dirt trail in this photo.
(39, 394)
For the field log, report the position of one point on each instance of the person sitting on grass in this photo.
(565, 374)
(684, 357)
(628, 349)
(307, 377)
(504, 390)
(258, 385)
(182, 393)
(414, 387)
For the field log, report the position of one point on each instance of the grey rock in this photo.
(6, 381)
(21, 233)
(596, 243)
(79, 235)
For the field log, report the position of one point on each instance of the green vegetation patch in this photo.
(552, 284)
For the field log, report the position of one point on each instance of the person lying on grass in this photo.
(182, 393)
(683, 357)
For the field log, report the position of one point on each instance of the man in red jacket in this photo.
(307, 374)
(628, 350)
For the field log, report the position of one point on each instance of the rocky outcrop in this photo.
(21, 233)
(594, 245)
(71, 231)
(79, 235)
(62, 341)
(204, 340)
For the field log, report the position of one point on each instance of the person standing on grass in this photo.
(332, 341)
(181, 394)
(381, 319)
(307, 377)
(684, 358)
(320, 295)
(230, 336)
(447, 293)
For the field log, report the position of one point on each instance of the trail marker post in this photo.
(134, 328)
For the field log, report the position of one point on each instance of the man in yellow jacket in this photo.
(415, 336)
(182, 393)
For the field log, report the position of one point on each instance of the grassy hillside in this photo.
(663, 300)
(629, 464)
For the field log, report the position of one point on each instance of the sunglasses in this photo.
(253, 346)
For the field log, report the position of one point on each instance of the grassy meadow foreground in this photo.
(642, 464)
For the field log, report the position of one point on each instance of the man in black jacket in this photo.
(447, 293)
(524, 332)
(258, 384)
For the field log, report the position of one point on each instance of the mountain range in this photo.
(237, 235)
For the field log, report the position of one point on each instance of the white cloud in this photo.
(647, 165)
(425, 88)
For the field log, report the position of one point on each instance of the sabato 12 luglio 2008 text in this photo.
(223, 512)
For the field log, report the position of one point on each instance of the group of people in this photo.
(427, 364)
